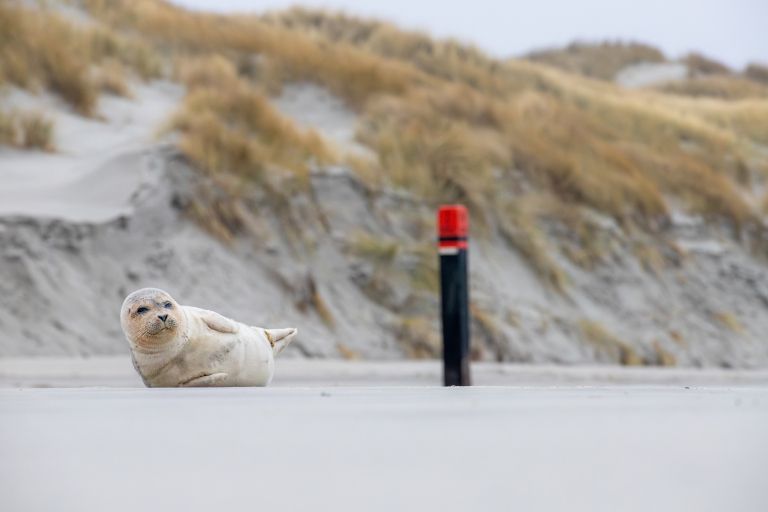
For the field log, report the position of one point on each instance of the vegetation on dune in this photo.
(229, 127)
(350, 72)
(717, 86)
(451, 124)
(608, 344)
(25, 129)
(757, 72)
(518, 141)
(699, 64)
(39, 49)
(597, 60)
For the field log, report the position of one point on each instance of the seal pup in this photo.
(174, 345)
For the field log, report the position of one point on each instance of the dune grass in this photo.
(449, 123)
(728, 321)
(699, 64)
(111, 78)
(41, 50)
(717, 86)
(350, 72)
(229, 127)
(26, 129)
(419, 338)
(607, 343)
(757, 72)
(663, 356)
(597, 60)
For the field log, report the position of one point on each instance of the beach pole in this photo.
(453, 225)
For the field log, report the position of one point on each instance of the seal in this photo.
(174, 345)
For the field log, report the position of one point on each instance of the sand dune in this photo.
(98, 164)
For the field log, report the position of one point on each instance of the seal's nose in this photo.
(162, 317)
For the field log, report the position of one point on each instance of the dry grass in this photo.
(451, 124)
(418, 336)
(347, 353)
(607, 343)
(36, 131)
(41, 50)
(597, 60)
(699, 64)
(229, 127)
(447, 60)
(678, 338)
(223, 217)
(717, 86)
(375, 249)
(323, 310)
(28, 130)
(112, 79)
(129, 50)
(729, 321)
(442, 116)
(487, 327)
(405, 261)
(209, 70)
(352, 73)
(8, 135)
(519, 227)
(310, 298)
(757, 72)
(663, 356)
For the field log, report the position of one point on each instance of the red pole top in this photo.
(452, 222)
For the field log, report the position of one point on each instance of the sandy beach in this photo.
(541, 447)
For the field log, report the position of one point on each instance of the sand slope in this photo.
(109, 212)
(99, 163)
(537, 448)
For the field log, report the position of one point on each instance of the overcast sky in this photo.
(733, 31)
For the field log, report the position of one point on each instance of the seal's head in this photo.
(151, 318)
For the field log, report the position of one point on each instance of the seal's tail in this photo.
(280, 338)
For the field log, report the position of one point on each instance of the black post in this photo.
(453, 223)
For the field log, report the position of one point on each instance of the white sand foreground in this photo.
(548, 448)
(117, 371)
(353, 435)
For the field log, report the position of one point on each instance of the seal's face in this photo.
(150, 318)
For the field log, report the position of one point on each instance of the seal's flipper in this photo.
(215, 379)
(215, 321)
(280, 338)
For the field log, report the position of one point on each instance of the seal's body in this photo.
(175, 345)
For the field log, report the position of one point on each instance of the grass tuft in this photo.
(378, 250)
(757, 73)
(597, 60)
(234, 129)
(717, 86)
(207, 71)
(36, 131)
(729, 321)
(40, 49)
(663, 356)
(607, 343)
(418, 336)
(518, 227)
(25, 129)
(699, 64)
(451, 124)
(112, 79)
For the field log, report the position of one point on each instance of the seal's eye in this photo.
(167, 305)
(142, 310)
